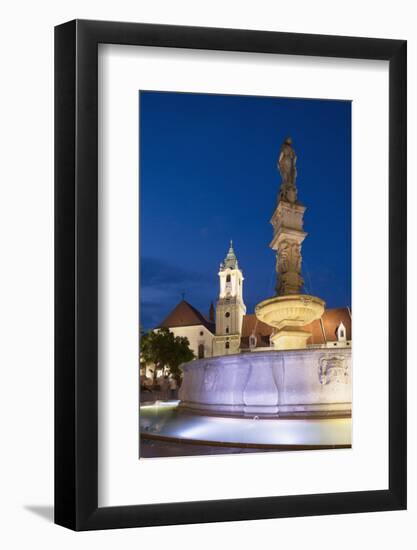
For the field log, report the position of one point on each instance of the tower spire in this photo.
(231, 261)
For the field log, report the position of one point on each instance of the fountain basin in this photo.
(169, 423)
(288, 314)
(292, 383)
(294, 310)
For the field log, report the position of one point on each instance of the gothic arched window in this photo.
(228, 279)
(201, 351)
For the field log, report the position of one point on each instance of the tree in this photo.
(181, 353)
(163, 349)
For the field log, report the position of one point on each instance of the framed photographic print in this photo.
(230, 275)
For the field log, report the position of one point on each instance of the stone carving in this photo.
(289, 283)
(333, 369)
(296, 254)
(288, 267)
(286, 165)
(266, 384)
(283, 259)
(288, 226)
(289, 257)
(210, 377)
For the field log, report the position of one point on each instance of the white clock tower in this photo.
(230, 307)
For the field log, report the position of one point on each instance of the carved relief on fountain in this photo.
(333, 369)
(210, 377)
(270, 383)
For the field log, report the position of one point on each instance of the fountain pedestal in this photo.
(290, 339)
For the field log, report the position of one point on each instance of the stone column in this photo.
(289, 311)
(287, 222)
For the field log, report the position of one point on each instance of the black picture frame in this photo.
(76, 272)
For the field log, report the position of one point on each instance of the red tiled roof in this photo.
(251, 323)
(322, 330)
(185, 315)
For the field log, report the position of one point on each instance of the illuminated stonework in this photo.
(290, 310)
(288, 379)
(313, 382)
(230, 308)
(288, 315)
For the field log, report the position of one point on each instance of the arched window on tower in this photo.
(201, 351)
(228, 278)
(227, 345)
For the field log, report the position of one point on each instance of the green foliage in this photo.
(164, 349)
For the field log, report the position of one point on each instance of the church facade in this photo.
(228, 329)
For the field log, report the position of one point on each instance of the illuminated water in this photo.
(165, 420)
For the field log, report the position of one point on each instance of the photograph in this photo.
(245, 329)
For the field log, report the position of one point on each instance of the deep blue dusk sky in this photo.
(208, 174)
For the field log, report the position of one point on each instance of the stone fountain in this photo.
(291, 379)
(289, 311)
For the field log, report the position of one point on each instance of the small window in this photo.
(201, 351)
(227, 314)
(201, 333)
(341, 332)
(228, 278)
(227, 346)
(227, 330)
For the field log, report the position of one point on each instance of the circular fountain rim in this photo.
(254, 355)
(250, 442)
(291, 298)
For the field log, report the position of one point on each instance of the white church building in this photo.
(228, 329)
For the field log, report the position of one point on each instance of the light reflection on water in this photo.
(164, 419)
